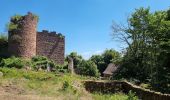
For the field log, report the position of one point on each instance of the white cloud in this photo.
(88, 54)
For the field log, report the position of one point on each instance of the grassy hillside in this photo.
(31, 85)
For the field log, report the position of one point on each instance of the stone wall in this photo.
(114, 86)
(26, 42)
(103, 87)
(22, 41)
(51, 45)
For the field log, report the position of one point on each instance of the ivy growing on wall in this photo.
(15, 22)
(15, 25)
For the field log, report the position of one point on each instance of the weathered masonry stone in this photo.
(123, 86)
(22, 42)
(51, 45)
(26, 42)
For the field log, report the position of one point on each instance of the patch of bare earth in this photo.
(12, 92)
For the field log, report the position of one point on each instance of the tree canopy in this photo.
(108, 56)
(148, 51)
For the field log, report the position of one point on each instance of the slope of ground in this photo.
(19, 84)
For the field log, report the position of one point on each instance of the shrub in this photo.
(16, 17)
(36, 63)
(88, 68)
(30, 75)
(12, 62)
(38, 58)
(12, 26)
(66, 85)
(43, 62)
(61, 68)
(11, 72)
(132, 96)
(76, 58)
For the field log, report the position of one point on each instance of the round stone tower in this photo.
(22, 36)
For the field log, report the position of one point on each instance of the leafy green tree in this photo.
(109, 56)
(148, 38)
(76, 58)
(88, 68)
(98, 60)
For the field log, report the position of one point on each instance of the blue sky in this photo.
(86, 24)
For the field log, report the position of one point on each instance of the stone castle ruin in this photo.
(24, 40)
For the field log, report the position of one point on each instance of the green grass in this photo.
(60, 86)
(117, 96)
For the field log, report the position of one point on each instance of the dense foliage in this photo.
(15, 23)
(148, 53)
(83, 67)
(44, 62)
(12, 62)
(3, 45)
(96, 65)
(88, 68)
(102, 61)
(76, 58)
(36, 63)
(41, 61)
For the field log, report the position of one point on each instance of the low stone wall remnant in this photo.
(123, 86)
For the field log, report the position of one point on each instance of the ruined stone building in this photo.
(24, 40)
